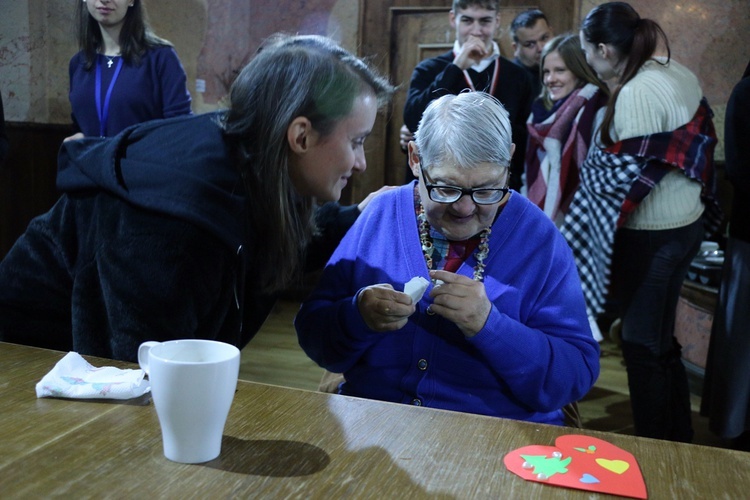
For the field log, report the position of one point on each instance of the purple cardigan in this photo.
(157, 88)
(535, 354)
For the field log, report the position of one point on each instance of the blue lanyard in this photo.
(103, 111)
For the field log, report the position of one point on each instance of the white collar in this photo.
(484, 63)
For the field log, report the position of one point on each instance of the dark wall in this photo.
(27, 181)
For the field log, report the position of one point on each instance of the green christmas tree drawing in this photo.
(548, 466)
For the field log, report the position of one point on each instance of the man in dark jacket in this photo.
(474, 63)
(530, 31)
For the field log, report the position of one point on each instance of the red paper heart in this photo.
(580, 462)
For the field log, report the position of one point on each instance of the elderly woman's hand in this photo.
(462, 300)
(383, 308)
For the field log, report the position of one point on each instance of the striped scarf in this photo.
(615, 180)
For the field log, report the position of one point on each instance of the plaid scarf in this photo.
(615, 180)
(563, 138)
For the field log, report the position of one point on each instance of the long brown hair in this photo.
(633, 38)
(568, 46)
(136, 36)
(290, 76)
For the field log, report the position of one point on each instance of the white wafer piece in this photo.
(415, 288)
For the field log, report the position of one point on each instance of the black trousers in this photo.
(649, 269)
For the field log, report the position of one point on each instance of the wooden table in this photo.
(289, 443)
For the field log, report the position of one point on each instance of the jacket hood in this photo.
(178, 167)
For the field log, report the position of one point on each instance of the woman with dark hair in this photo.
(123, 74)
(650, 182)
(190, 226)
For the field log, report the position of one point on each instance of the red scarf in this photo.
(563, 139)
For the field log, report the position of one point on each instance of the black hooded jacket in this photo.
(147, 242)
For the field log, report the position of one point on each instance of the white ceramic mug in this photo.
(192, 384)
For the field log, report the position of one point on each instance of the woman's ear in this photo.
(413, 158)
(300, 135)
(605, 51)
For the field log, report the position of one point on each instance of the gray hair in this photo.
(465, 130)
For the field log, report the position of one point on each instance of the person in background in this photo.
(530, 31)
(404, 137)
(123, 73)
(726, 387)
(3, 136)
(474, 63)
(561, 126)
(641, 204)
(190, 227)
(487, 337)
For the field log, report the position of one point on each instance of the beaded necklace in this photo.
(428, 248)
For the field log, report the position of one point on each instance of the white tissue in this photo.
(74, 377)
(415, 288)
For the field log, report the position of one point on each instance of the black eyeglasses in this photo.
(451, 194)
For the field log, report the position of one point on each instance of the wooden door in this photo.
(418, 33)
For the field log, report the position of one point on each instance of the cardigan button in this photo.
(416, 402)
(422, 364)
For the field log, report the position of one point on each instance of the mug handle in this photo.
(143, 351)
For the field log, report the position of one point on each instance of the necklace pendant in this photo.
(109, 63)
(428, 247)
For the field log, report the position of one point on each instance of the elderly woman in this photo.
(502, 330)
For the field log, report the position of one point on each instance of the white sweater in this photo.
(661, 99)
